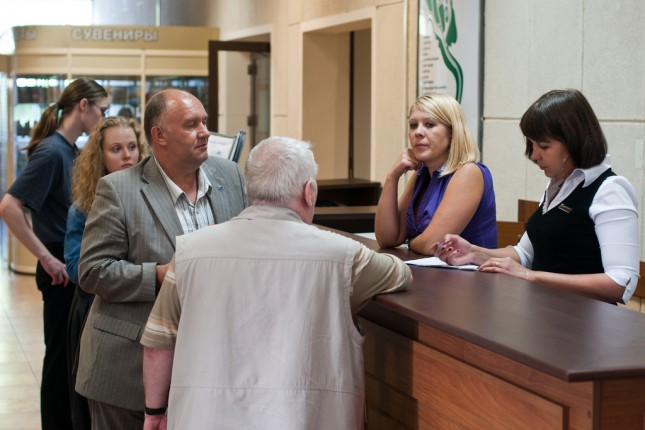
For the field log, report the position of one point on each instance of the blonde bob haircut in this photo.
(89, 166)
(447, 111)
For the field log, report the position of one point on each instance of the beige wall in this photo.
(362, 104)
(309, 82)
(325, 96)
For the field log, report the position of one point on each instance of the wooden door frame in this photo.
(214, 47)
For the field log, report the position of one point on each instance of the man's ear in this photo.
(310, 193)
(157, 135)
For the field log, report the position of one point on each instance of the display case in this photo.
(125, 94)
(4, 138)
(196, 85)
(33, 95)
(132, 63)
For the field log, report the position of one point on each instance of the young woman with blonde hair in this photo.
(116, 144)
(451, 191)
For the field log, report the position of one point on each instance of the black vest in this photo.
(564, 239)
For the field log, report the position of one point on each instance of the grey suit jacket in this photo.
(132, 226)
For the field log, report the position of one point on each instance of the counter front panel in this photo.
(473, 350)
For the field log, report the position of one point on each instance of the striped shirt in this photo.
(191, 216)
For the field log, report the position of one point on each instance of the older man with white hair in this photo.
(254, 326)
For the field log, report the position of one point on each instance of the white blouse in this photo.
(614, 211)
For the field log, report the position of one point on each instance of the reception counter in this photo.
(471, 350)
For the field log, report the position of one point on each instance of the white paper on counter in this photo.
(436, 262)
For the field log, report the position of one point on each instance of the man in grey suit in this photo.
(128, 241)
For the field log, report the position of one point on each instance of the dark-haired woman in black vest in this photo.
(584, 236)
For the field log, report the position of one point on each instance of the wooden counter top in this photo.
(571, 337)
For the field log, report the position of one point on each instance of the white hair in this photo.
(277, 169)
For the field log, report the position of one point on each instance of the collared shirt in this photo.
(615, 215)
(192, 216)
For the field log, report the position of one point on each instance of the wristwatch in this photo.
(156, 411)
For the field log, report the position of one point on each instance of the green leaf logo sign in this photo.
(444, 26)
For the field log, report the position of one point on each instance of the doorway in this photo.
(337, 105)
(239, 91)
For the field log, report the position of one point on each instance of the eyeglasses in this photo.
(104, 109)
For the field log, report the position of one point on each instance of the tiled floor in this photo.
(21, 350)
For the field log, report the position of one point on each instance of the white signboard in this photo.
(449, 54)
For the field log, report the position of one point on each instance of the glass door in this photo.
(256, 58)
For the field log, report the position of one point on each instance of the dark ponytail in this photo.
(81, 88)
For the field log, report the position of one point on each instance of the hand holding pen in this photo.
(455, 250)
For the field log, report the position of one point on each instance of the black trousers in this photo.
(77, 315)
(54, 389)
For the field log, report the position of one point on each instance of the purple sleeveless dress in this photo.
(482, 228)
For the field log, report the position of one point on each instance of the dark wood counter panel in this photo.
(475, 350)
(352, 219)
(348, 192)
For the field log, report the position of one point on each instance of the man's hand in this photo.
(161, 274)
(156, 422)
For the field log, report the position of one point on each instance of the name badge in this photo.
(565, 208)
